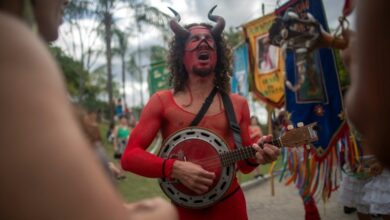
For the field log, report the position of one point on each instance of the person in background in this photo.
(121, 136)
(367, 101)
(118, 109)
(255, 134)
(89, 124)
(110, 133)
(48, 169)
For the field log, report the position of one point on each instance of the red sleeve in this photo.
(135, 157)
(246, 166)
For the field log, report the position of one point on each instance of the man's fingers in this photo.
(267, 153)
(200, 189)
(265, 138)
(256, 147)
(260, 158)
(207, 174)
(271, 151)
(205, 181)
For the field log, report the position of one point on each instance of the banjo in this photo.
(205, 148)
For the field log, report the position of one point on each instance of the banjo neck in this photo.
(293, 137)
(233, 156)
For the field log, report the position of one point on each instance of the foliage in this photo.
(94, 83)
(73, 70)
(158, 54)
(234, 37)
(343, 74)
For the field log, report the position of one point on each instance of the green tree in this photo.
(158, 54)
(73, 70)
(102, 12)
(134, 71)
(343, 74)
(234, 37)
(121, 50)
(94, 83)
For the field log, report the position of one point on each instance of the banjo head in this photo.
(202, 147)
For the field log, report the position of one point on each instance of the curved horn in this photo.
(218, 28)
(176, 27)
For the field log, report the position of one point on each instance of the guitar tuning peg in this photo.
(300, 124)
(290, 127)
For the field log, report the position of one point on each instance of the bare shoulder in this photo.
(29, 74)
(23, 54)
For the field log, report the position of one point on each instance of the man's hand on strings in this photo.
(266, 153)
(193, 176)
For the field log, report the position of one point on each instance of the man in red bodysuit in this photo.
(199, 61)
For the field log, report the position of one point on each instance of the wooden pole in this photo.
(270, 110)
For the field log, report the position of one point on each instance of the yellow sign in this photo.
(266, 62)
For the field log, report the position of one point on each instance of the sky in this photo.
(235, 12)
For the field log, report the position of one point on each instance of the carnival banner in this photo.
(239, 80)
(266, 63)
(317, 100)
(158, 77)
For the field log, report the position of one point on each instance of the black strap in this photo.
(227, 103)
(205, 107)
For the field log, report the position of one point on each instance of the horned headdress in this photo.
(184, 33)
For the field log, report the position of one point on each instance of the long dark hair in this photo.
(179, 75)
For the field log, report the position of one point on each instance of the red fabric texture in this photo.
(234, 207)
(162, 113)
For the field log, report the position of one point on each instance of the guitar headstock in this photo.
(299, 136)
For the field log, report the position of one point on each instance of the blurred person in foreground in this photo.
(366, 185)
(367, 101)
(48, 170)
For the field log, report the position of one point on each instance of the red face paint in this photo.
(200, 55)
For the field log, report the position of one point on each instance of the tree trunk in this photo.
(124, 78)
(108, 36)
(139, 64)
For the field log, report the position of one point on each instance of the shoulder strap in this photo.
(227, 103)
(205, 107)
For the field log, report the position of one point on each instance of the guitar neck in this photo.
(243, 153)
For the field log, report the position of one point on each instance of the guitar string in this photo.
(215, 157)
(212, 162)
(274, 141)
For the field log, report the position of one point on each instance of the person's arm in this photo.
(48, 170)
(135, 158)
